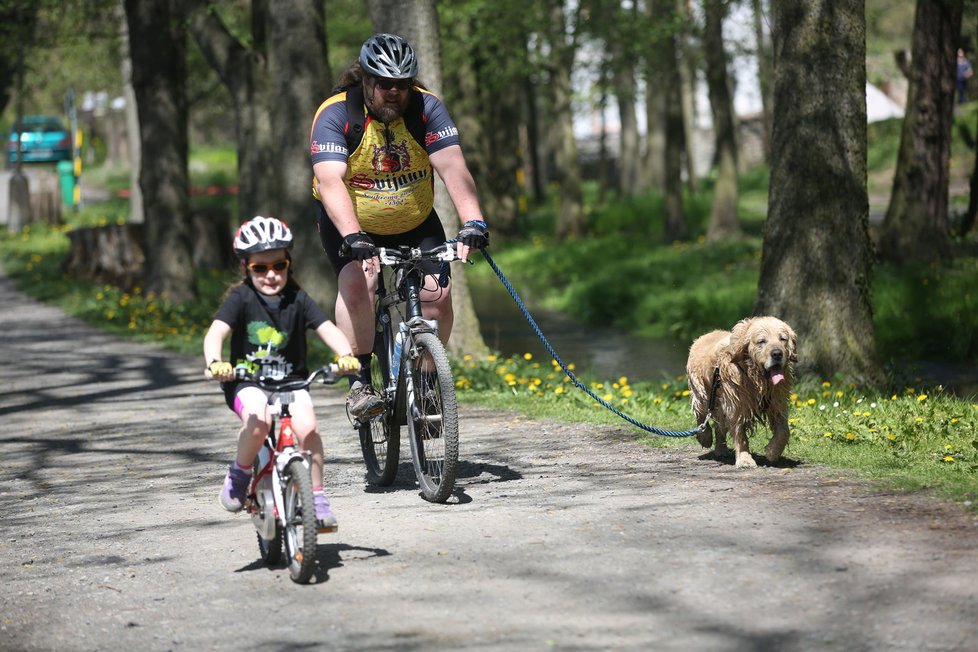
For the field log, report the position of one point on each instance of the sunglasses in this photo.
(262, 268)
(385, 84)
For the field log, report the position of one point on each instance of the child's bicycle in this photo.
(413, 376)
(280, 499)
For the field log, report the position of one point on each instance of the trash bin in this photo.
(66, 174)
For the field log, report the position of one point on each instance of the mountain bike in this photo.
(411, 373)
(280, 500)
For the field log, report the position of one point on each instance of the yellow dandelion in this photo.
(850, 436)
(811, 401)
(623, 380)
(510, 378)
(948, 458)
(948, 447)
(794, 397)
(607, 397)
(826, 383)
(922, 397)
(527, 356)
(491, 358)
(559, 389)
(890, 436)
(827, 434)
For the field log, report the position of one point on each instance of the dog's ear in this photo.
(739, 341)
(792, 344)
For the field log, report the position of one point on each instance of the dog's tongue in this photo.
(775, 375)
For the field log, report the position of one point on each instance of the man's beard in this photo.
(386, 113)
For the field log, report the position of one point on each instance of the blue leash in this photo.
(638, 424)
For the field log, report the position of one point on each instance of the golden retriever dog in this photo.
(755, 362)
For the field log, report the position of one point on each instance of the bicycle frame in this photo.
(275, 454)
(409, 353)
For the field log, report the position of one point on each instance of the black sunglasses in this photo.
(386, 84)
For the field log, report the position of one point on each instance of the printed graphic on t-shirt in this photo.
(266, 360)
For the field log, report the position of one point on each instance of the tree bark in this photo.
(666, 56)
(623, 78)
(764, 72)
(133, 141)
(916, 224)
(723, 222)
(417, 21)
(157, 49)
(567, 168)
(816, 265)
(299, 76)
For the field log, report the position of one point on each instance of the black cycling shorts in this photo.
(427, 235)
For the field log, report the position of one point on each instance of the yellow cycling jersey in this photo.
(389, 175)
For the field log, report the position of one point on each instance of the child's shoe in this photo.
(325, 519)
(235, 489)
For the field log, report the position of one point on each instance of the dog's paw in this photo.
(745, 461)
(772, 455)
(705, 438)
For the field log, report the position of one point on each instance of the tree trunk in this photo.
(816, 265)
(916, 223)
(417, 21)
(299, 72)
(567, 168)
(664, 12)
(132, 125)
(687, 81)
(623, 79)
(765, 73)
(723, 223)
(158, 50)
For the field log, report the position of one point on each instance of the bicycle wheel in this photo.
(299, 522)
(432, 418)
(380, 438)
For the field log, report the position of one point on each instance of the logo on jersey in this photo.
(328, 148)
(392, 158)
(435, 136)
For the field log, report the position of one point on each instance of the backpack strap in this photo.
(414, 117)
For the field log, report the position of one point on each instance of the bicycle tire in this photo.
(299, 522)
(432, 411)
(380, 438)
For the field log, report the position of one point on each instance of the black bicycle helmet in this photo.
(262, 234)
(388, 55)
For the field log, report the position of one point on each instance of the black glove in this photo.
(358, 246)
(474, 234)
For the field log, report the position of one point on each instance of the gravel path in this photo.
(560, 537)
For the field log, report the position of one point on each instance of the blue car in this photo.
(43, 138)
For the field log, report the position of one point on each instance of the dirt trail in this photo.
(561, 536)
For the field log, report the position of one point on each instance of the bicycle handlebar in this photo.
(329, 372)
(393, 255)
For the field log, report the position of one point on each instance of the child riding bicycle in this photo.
(267, 315)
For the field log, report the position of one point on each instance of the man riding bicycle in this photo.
(374, 146)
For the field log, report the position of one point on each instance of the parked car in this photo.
(43, 138)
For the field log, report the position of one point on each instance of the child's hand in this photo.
(348, 365)
(222, 371)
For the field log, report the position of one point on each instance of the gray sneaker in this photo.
(363, 402)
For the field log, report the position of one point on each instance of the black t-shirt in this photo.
(270, 325)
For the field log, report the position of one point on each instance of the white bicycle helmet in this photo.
(261, 234)
(388, 55)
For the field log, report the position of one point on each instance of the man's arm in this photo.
(450, 165)
(334, 196)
